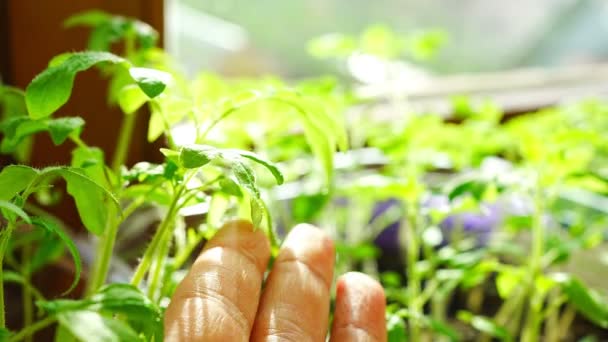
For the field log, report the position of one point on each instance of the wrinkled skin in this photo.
(225, 297)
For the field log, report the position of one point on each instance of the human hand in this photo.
(222, 297)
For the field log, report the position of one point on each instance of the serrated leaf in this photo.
(14, 179)
(152, 82)
(10, 207)
(55, 229)
(52, 88)
(92, 327)
(60, 129)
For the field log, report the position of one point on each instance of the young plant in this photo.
(203, 175)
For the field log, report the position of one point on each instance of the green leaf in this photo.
(444, 329)
(52, 88)
(8, 206)
(228, 186)
(131, 98)
(12, 102)
(152, 82)
(12, 107)
(4, 334)
(60, 129)
(49, 249)
(246, 178)
(395, 327)
(319, 129)
(194, 156)
(484, 325)
(14, 179)
(257, 211)
(108, 29)
(54, 228)
(278, 176)
(92, 327)
(508, 280)
(16, 130)
(88, 18)
(141, 313)
(90, 197)
(586, 301)
(91, 161)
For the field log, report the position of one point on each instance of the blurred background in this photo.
(262, 36)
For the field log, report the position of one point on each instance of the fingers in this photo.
(360, 307)
(218, 299)
(295, 301)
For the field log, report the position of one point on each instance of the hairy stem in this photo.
(5, 236)
(124, 139)
(159, 236)
(28, 310)
(105, 249)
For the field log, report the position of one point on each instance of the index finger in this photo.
(218, 299)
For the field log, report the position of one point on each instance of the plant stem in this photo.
(552, 323)
(5, 236)
(157, 266)
(533, 320)
(565, 321)
(159, 236)
(124, 138)
(28, 312)
(413, 251)
(105, 249)
(32, 329)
